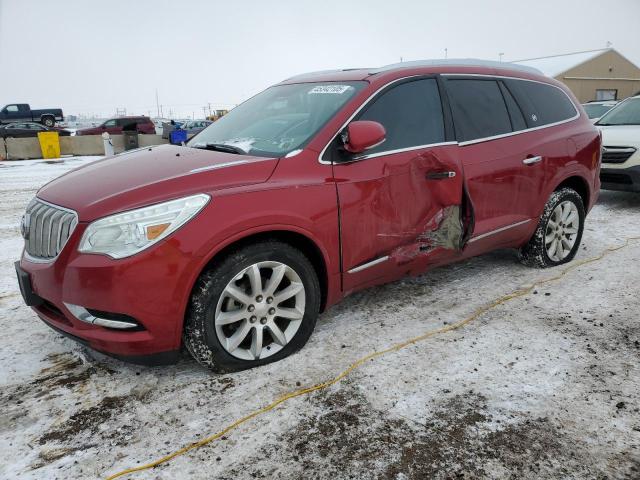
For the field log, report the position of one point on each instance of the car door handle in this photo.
(440, 175)
(532, 160)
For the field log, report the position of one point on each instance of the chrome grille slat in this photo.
(46, 233)
(49, 229)
(53, 232)
(31, 244)
(38, 232)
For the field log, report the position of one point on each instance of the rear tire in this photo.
(258, 305)
(48, 121)
(557, 238)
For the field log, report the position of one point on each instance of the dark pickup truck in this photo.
(21, 112)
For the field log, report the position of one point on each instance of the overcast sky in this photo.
(94, 57)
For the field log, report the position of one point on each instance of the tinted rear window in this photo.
(479, 110)
(542, 103)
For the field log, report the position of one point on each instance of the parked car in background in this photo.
(28, 129)
(595, 110)
(195, 126)
(620, 129)
(21, 112)
(115, 126)
(317, 187)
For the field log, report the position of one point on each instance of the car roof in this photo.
(460, 66)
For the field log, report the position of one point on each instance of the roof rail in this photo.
(471, 62)
(304, 76)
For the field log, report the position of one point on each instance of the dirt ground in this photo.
(546, 386)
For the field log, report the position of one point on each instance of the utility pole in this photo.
(209, 108)
(501, 55)
(204, 111)
(446, 52)
(157, 103)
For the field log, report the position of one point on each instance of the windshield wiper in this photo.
(220, 147)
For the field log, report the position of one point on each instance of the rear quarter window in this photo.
(542, 103)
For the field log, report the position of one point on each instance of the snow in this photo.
(555, 65)
(544, 386)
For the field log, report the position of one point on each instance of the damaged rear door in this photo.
(401, 203)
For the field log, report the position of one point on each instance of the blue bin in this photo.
(177, 136)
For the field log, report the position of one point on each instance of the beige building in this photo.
(592, 75)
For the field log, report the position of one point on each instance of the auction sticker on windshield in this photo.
(336, 89)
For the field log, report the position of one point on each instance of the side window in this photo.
(12, 108)
(411, 113)
(479, 110)
(515, 112)
(110, 123)
(542, 104)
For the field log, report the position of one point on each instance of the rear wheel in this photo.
(48, 121)
(259, 305)
(557, 238)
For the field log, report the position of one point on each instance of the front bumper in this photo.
(152, 287)
(622, 179)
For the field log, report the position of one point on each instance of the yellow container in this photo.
(49, 144)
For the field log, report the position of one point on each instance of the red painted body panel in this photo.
(354, 213)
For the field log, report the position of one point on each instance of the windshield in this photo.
(596, 111)
(278, 120)
(626, 113)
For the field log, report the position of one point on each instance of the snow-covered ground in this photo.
(544, 386)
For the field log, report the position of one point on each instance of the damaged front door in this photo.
(401, 203)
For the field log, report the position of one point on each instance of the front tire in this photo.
(557, 238)
(258, 305)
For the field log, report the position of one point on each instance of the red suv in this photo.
(115, 126)
(319, 186)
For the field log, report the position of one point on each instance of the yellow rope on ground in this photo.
(358, 363)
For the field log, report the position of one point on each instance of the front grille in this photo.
(46, 229)
(617, 154)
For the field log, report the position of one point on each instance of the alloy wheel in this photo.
(562, 231)
(260, 310)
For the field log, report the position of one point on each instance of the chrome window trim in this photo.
(33, 259)
(498, 230)
(454, 142)
(364, 266)
(400, 150)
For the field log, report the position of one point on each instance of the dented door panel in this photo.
(394, 206)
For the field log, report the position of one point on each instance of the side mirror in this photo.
(362, 135)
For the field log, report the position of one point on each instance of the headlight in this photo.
(127, 233)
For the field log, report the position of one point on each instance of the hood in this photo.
(620, 135)
(151, 175)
